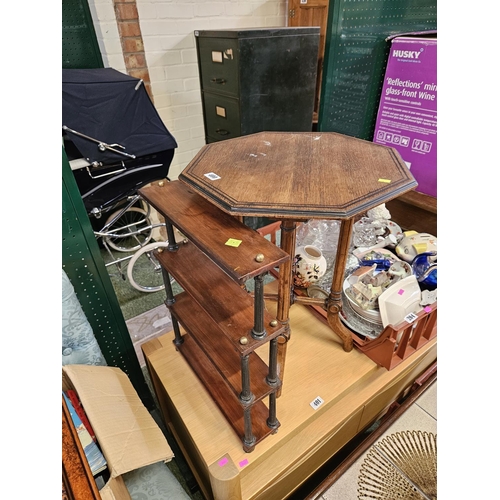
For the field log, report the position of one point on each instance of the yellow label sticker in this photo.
(387, 181)
(231, 242)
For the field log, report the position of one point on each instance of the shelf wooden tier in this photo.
(210, 228)
(223, 393)
(206, 333)
(355, 392)
(230, 306)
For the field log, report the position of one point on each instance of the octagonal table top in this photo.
(298, 175)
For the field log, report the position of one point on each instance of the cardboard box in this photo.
(127, 434)
(407, 115)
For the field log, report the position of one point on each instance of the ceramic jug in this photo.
(309, 266)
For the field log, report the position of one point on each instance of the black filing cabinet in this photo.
(255, 80)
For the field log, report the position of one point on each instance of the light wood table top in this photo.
(317, 367)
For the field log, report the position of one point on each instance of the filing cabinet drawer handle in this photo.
(220, 81)
(221, 131)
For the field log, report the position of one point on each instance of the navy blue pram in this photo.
(116, 143)
(113, 136)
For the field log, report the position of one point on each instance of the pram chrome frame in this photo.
(110, 231)
(116, 143)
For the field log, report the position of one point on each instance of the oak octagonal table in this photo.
(295, 177)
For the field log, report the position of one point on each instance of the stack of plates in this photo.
(372, 315)
(360, 326)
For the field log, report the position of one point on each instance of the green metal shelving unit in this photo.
(356, 55)
(82, 262)
(79, 42)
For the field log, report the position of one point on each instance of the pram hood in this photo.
(113, 108)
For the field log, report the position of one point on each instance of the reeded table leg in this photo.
(285, 293)
(334, 301)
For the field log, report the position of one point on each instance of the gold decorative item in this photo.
(402, 465)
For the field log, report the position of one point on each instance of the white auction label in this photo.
(316, 403)
(212, 176)
(410, 318)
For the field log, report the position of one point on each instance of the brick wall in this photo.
(129, 28)
(166, 36)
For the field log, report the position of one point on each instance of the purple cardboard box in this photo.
(407, 115)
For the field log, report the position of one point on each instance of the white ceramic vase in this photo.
(309, 266)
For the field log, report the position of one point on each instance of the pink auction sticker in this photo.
(243, 463)
(401, 291)
(223, 462)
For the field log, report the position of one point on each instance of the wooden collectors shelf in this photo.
(222, 323)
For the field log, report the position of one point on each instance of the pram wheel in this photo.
(144, 271)
(132, 230)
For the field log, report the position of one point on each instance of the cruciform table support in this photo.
(333, 303)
